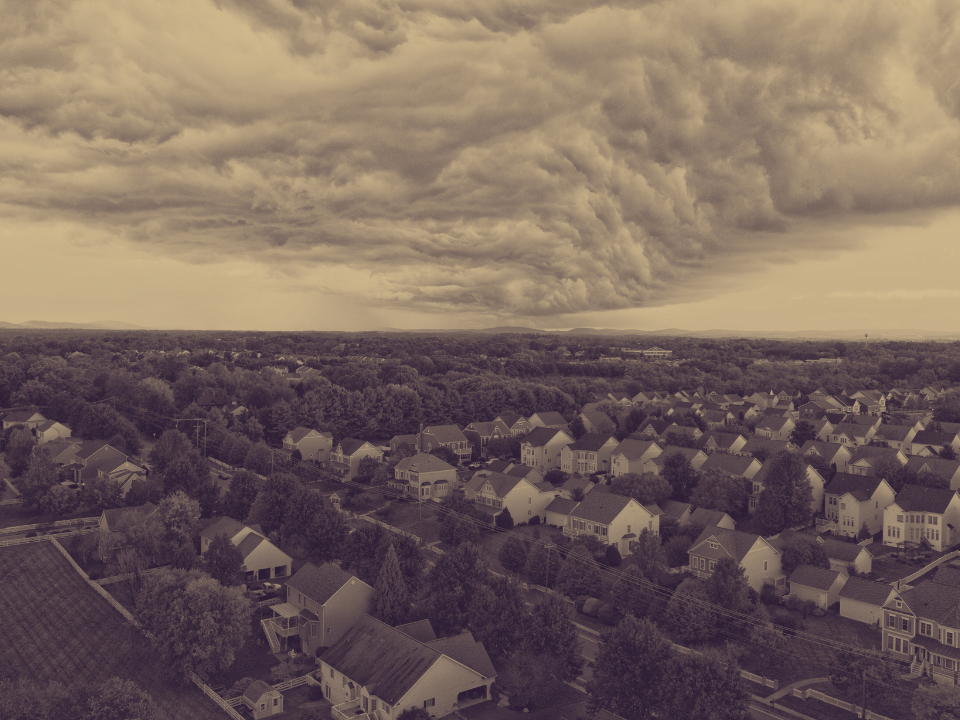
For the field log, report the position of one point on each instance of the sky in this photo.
(371, 164)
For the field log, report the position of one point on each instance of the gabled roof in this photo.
(467, 651)
(814, 577)
(633, 449)
(705, 517)
(773, 423)
(114, 515)
(540, 436)
(373, 653)
(47, 424)
(866, 591)
(771, 446)
(420, 630)
(861, 487)
(348, 446)
(255, 690)
(500, 466)
(598, 418)
(423, 462)
(21, 416)
(688, 454)
(839, 550)
(500, 483)
(736, 543)
(722, 440)
(601, 508)
(824, 449)
(550, 417)
(445, 433)
(872, 453)
(223, 526)
(91, 447)
(510, 419)
(522, 471)
(675, 508)
(299, 433)
(320, 583)
(561, 505)
(730, 464)
(486, 429)
(930, 437)
(940, 467)
(896, 433)
(251, 542)
(591, 442)
(947, 575)
(934, 601)
(920, 498)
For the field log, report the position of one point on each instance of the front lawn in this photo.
(897, 706)
(421, 519)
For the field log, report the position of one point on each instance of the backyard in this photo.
(56, 627)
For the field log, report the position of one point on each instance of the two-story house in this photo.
(923, 515)
(262, 560)
(922, 624)
(322, 604)
(613, 519)
(424, 477)
(114, 521)
(631, 455)
(50, 431)
(518, 425)
(764, 448)
(346, 456)
(99, 460)
(852, 500)
(448, 436)
(948, 470)
(492, 492)
(548, 419)
(898, 437)
(929, 443)
(312, 444)
(588, 455)
(759, 558)
(542, 447)
(711, 442)
(847, 556)
(30, 419)
(694, 456)
(775, 428)
(597, 422)
(836, 455)
(852, 434)
(867, 458)
(375, 671)
(479, 435)
(736, 465)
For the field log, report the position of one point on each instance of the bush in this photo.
(315, 692)
(591, 607)
(608, 614)
(769, 595)
(578, 603)
(535, 520)
(788, 621)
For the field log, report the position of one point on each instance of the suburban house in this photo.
(852, 500)
(479, 434)
(921, 624)
(116, 520)
(922, 515)
(836, 455)
(929, 443)
(398, 440)
(872, 402)
(736, 465)
(847, 556)
(763, 448)
(711, 442)
(695, 457)
(863, 600)
(704, 517)
(898, 437)
(679, 511)
(99, 460)
(424, 477)
(262, 699)
(613, 519)
(448, 436)
(775, 428)
(575, 485)
(715, 419)
(851, 434)
(758, 483)
(493, 492)
(262, 560)
(631, 455)
(547, 419)
(312, 444)
(346, 456)
(28, 418)
(51, 430)
(759, 559)
(516, 424)
(867, 458)
(558, 510)
(597, 422)
(322, 604)
(63, 452)
(542, 448)
(949, 470)
(588, 455)
(377, 671)
(821, 586)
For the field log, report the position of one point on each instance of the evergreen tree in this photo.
(513, 554)
(393, 601)
(612, 557)
(504, 519)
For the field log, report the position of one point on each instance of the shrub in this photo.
(315, 692)
(591, 607)
(789, 622)
(769, 595)
(608, 614)
(578, 603)
(535, 520)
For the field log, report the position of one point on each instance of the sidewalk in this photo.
(789, 688)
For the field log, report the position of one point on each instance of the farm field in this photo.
(56, 627)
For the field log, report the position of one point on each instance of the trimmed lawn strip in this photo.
(56, 627)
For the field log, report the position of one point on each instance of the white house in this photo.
(760, 560)
(852, 500)
(542, 448)
(493, 492)
(863, 600)
(613, 519)
(923, 515)
(588, 455)
(312, 444)
(262, 560)
(816, 584)
(631, 455)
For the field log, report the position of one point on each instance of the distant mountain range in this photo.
(850, 334)
(44, 325)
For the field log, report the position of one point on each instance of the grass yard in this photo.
(896, 707)
(407, 516)
(809, 659)
(56, 627)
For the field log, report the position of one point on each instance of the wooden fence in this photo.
(41, 538)
(925, 569)
(103, 593)
(50, 526)
(210, 693)
(806, 693)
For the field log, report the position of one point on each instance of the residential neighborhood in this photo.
(377, 569)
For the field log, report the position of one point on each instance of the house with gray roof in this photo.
(542, 448)
(448, 436)
(816, 584)
(613, 519)
(493, 492)
(694, 456)
(736, 465)
(922, 515)
(548, 419)
(836, 455)
(375, 670)
(898, 437)
(948, 470)
(597, 422)
(758, 557)
(929, 443)
(863, 600)
(704, 517)
(921, 625)
(50, 431)
(711, 442)
(480, 434)
(113, 521)
(590, 454)
(516, 424)
(262, 700)
(28, 418)
(764, 448)
(312, 444)
(631, 455)
(759, 481)
(847, 557)
(424, 477)
(346, 456)
(262, 560)
(866, 459)
(852, 500)
(775, 427)
(322, 603)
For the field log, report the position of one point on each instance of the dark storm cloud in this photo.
(525, 158)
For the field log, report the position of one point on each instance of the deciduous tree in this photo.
(861, 674)
(550, 631)
(803, 551)
(39, 478)
(178, 514)
(787, 495)
(224, 561)
(497, 615)
(717, 490)
(688, 613)
(239, 498)
(645, 488)
(936, 702)
(707, 686)
(682, 477)
(579, 574)
(513, 554)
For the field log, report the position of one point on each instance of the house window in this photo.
(275, 702)
(313, 630)
(703, 563)
(373, 704)
(933, 520)
(331, 672)
(366, 705)
(326, 691)
(263, 706)
(430, 703)
(926, 629)
(694, 563)
(948, 638)
(713, 564)
(843, 506)
(905, 624)
(764, 565)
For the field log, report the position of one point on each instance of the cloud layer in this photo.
(535, 158)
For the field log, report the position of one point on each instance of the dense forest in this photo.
(375, 385)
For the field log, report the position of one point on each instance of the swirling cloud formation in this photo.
(524, 158)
